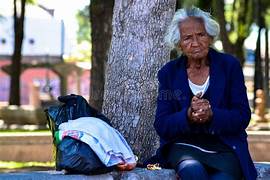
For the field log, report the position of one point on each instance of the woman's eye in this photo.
(202, 34)
(187, 38)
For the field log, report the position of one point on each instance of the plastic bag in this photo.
(73, 155)
(76, 157)
(72, 107)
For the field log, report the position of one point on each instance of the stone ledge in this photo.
(26, 147)
(137, 174)
(259, 143)
(263, 170)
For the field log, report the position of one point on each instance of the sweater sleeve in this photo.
(236, 116)
(168, 123)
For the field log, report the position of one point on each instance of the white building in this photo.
(46, 39)
(44, 36)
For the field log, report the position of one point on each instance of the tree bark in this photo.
(137, 52)
(266, 68)
(219, 13)
(100, 19)
(258, 74)
(14, 93)
(238, 50)
(205, 5)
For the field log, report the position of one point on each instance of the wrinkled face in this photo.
(194, 41)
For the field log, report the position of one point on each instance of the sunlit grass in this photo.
(22, 131)
(17, 165)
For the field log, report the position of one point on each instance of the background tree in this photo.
(266, 67)
(178, 4)
(258, 75)
(261, 76)
(101, 12)
(137, 52)
(18, 27)
(18, 18)
(234, 25)
(265, 15)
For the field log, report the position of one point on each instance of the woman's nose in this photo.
(195, 41)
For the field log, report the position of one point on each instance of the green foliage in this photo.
(83, 19)
(31, 1)
(83, 49)
(233, 36)
(83, 53)
(267, 18)
(203, 4)
(239, 18)
(266, 12)
(189, 3)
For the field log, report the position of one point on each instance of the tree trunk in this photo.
(14, 92)
(219, 13)
(205, 5)
(100, 19)
(137, 53)
(266, 68)
(244, 22)
(178, 4)
(239, 50)
(258, 76)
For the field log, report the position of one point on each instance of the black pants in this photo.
(226, 162)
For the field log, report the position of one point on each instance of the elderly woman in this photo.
(202, 107)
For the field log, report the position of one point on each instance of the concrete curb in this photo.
(137, 174)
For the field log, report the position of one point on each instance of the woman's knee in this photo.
(191, 169)
(190, 164)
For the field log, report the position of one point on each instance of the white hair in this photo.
(173, 36)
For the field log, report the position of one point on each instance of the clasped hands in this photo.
(200, 111)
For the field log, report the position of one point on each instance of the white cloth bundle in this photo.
(109, 145)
